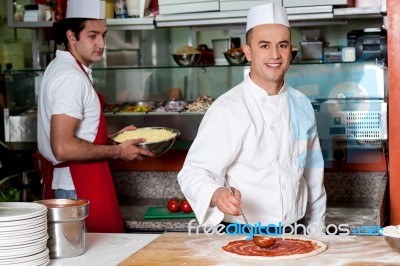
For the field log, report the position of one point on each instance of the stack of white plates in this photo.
(23, 234)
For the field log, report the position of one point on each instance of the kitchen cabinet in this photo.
(298, 17)
(122, 24)
(128, 23)
(231, 17)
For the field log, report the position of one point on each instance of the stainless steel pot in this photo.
(66, 226)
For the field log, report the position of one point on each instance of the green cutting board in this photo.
(164, 213)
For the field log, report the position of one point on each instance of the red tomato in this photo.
(173, 205)
(185, 206)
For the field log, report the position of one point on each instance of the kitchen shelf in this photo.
(131, 23)
(217, 18)
(360, 12)
(122, 24)
(202, 19)
(30, 25)
(159, 83)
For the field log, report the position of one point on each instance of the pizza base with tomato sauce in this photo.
(284, 248)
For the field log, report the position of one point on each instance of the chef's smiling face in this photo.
(90, 46)
(269, 49)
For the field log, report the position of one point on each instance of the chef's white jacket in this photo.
(268, 148)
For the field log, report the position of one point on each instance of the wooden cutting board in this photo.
(173, 248)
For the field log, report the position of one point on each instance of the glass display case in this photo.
(337, 91)
(125, 88)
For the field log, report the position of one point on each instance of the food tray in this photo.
(170, 107)
(137, 107)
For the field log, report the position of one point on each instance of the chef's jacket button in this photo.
(285, 217)
(264, 100)
(296, 155)
(301, 212)
(272, 128)
(283, 186)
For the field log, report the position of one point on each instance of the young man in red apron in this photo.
(72, 134)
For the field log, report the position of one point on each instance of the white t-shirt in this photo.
(65, 89)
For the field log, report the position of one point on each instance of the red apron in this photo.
(92, 181)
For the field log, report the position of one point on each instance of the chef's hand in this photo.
(129, 151)
(225, 201)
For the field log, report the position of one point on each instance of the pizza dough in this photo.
(286, 248)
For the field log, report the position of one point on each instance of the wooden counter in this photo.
(182, 249)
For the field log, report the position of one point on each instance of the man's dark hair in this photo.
(60, 28)
(248, 33)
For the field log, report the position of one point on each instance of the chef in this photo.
(72, 134)
(260, 136)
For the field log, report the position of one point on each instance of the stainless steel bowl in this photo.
(186, 59)
(160, 147)
(235, 57)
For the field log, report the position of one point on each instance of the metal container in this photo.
(66, 226)
(186, 59)
(235, 57)
(220, 46)
(311, 50)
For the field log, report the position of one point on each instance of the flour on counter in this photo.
(392, 230)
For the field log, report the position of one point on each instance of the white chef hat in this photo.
(270, 13)
(92, 9)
